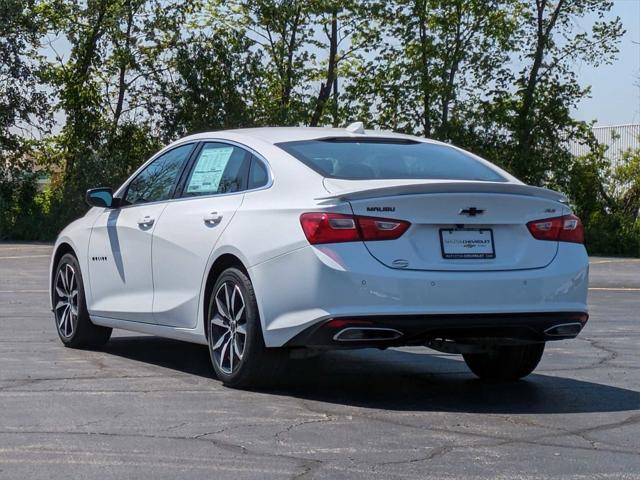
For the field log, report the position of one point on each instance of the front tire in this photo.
(505, 363)
(236, 345)
(73, 324)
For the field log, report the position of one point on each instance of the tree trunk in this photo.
(425, 86)
(525, 124)
(328, 84)
(122, 85)
(287, 84)
(447, 95)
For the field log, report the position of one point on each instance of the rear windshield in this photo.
(356, 159)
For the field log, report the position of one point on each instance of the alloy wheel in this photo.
(229, 327)
(66, 300)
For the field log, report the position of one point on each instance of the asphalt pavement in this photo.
(146, 407)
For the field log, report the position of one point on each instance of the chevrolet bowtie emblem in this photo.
(471, 211)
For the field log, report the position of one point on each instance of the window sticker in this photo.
(208, 171)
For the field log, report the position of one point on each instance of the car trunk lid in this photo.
(455, 225)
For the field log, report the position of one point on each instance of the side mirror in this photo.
(101, 197)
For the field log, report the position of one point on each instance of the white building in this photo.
(618, 139)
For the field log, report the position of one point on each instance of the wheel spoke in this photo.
(225, 347)
(220, 341)
(63, 280)
(233, 341)
(61, 320)
(240, 312)
(60, 291)
(60, 304)
(72, 280)
(67, 324)
(232, 305)
(223, 304)
(236, 348)
(241, 329)
(67, 313)
(227, 302)
(218, 321)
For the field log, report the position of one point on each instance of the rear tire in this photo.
(505, 363)
(72, 321)
(236, 345)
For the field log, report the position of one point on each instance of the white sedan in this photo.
(258, 242)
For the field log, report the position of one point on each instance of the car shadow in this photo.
(398, 380)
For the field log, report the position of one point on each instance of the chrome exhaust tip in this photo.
(366, 334)
(564, 330)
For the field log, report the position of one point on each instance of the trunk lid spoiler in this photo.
(347, 190)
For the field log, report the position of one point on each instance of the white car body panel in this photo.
(182, 241)
(126, 291)
(160, 286)
(343, 280)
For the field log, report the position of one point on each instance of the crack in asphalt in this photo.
(502, 440)
(293, 426)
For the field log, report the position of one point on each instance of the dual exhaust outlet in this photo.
(384, 334)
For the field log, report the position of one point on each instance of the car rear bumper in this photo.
(311, 285)
(385, 331)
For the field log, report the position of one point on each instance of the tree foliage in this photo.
(122, 77)
(23, 111)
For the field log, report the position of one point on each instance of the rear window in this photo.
(372, 159)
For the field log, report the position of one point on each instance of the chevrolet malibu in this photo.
(257, 242)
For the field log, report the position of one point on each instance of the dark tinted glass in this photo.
(258, 176)
(155, 183)
(219, 168)
(388, 159)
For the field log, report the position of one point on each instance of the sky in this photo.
(615, 88)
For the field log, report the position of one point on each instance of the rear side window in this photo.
(258, 175)
(219, 168)
(373, 159)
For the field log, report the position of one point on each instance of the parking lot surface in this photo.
(146, 407)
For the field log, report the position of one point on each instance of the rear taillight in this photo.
(567, 228)
(321, 227)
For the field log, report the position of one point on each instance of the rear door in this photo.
(210, 194)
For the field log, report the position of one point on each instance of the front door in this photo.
(120, 273)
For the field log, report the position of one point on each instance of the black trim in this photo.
(184, 175)
(469, 328)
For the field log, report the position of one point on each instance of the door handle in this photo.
(212, 218)
(146, 221)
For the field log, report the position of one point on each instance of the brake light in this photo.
(322, 227)
(567, 228)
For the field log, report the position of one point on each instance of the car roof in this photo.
(275, 135)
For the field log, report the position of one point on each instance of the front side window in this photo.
(156, 182)
(219, 168)
(380, 158)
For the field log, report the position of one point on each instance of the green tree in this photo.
(281, 31)
(549, 46)
(208, 83)
(103, 92)
(23, 115)
(435, 59)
